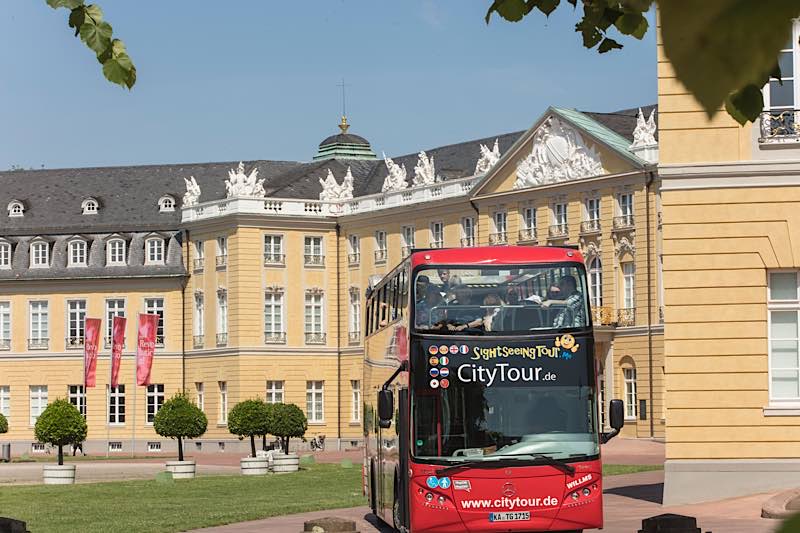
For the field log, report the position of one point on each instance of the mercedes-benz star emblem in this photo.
(509, 490)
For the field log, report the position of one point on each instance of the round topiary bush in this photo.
(248, 419)
(180, 419)
(286, 421)
(3, 424)
(60, 424)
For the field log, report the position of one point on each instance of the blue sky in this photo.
(241, 80)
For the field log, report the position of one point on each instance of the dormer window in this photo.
(90, 206)
(154, 251)
(5, 254)
(15, 208)
(166, 204)
(115, 252)
(77, 253)
(40, 254)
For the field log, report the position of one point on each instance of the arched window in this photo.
(166, 204)
(15, 208)
(596, 282)
(77, 253)
(115, 252)
(154, 251)
(90, 206)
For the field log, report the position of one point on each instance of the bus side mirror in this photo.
(616, 418)
(385, 408)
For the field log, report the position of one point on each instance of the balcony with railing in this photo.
(354, 337)
(274, 337)
(197, 341)
(222, 261)
(159, 341)
(314, 259)
(73, 343)
(467, 242)
(353, 258)
(5, 344)
(380, 255)
(623, 222)
(589, 227)
(107, 343)
(527, 235)
(315, 338)
(603, 315)
(557, 231)
(222, 339)
(38, 344)
(198, 264)
(498, 237)
(660, 314)
(779, 127)
(626, 317)
(272, 258)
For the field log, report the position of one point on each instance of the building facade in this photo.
(259, 269)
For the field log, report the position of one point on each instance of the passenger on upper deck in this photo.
(429, 313)
(572, 315)
(492, 304)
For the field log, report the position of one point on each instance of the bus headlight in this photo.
(586, 491)
(575, 496)
(428, 497)
(441, 500)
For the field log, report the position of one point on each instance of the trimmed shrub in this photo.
(180, 419)
(60, 424)
(3, 424)
(286, 421)
(248, 419)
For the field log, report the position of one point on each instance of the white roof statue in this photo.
(424, 172)
(192, 196)
(396, 180)
(241, 184)
(558, 154)
(488, 159)
(332, 191)
(645, 132)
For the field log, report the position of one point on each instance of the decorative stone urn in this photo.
(182, 469)
(254, 466)
(285, 463)
(59, 474)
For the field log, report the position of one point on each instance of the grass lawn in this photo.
(184, 504)
(615, 470)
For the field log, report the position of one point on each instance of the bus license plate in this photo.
(509, 517)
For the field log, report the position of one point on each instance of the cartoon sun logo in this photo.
(567, 342)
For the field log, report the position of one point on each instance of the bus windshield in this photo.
(503, 300)
(472, 421)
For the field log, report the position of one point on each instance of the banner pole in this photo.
(133, 420)
(108, 394)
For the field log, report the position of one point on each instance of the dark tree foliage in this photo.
(60, 424)
(248, 419)
(286, 421)
(180, 419)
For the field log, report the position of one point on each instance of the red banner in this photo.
(145, 347)
(117, 344)
(91, 340)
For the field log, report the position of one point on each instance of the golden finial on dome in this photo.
(344, 125)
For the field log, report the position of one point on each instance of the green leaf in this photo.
(719, 47)
(591, 37)
(746, 104)
(608, 45)
(512, 10)
(633, 24)
(119, 69)
(96, 36)
(547, 6)
(94, 12)
(76, 19)
(69, 4)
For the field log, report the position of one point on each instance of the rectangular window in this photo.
(155, 251)
(355, 249)
(631, 403)
(380, 246)
(155, 306)
(5, 400)
(784, 355)
(115, 446)
(40, 254)
(115, 307)
(38, 396)
(274, 391)
(628, 285)
(77, 397)
(273, 249)
(313, 318)
(199, 390)
(355, 315)
(116, 252)
(5, 255)
(593, 209)
(5, 325)
(409, 241)
(116, 404)
(314, 401)
(155, 399)
(560, 215)
(76, 320)
(39, 323)
(468, 231)
(355, 387)
(273, 317)
(437, 234)
(222, 311)
(199, 314)
(312, 249)
(625, 201)
(528, 230)
(77, 253)
(199, 251)
(223, 402)
(500, 219)
(222, 246)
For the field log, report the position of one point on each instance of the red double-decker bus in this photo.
(489, 353)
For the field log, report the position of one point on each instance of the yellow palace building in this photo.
(259, 270)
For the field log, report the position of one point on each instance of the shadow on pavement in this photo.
(379, 525)
(650, 493)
